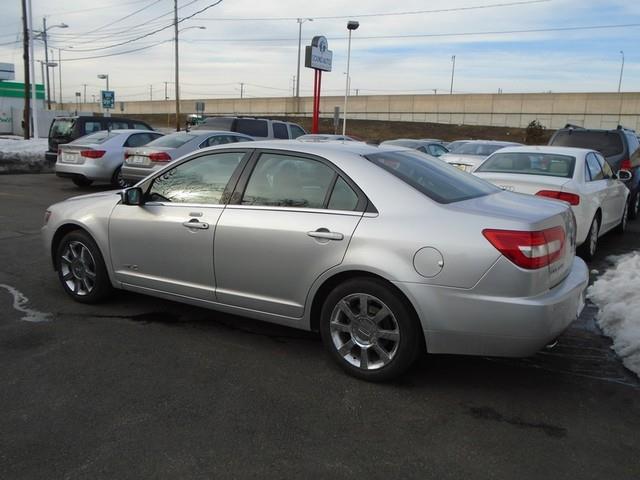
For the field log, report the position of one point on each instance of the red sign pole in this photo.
(314, 121)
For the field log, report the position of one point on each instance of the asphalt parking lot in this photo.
(140, 387)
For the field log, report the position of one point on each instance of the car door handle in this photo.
(194, 223)
(325, 234)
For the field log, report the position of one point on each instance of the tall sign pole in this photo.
(26, 119)
(177, 66)
(32, 78)
(319, 57)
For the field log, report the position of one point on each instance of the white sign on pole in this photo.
(317, 55)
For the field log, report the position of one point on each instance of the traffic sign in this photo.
(108, 99)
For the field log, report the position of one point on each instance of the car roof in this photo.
(317, 148)
(128, 130)
(493, 142)
(200, 132)
(573, 151)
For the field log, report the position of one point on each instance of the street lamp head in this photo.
(352, 25)
(103, 76)
(63, 25)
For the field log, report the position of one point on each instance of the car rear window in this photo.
(435, 179)
(95, 138)
(533, 163)
(62, 127)
(251, 127)
(174, 140)
(607, 143)
(484, 149)
(217, 123)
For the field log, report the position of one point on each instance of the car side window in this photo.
(280, 130)
(606, 168)
(216, 140)
(342, 197)
(252, 127)
(287, 181)
(201, 180)
(238, 138)
(117, 125)
(296, 131)
(140, 126)
(92, 126)
(595, 171)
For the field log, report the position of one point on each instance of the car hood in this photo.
(93, 196)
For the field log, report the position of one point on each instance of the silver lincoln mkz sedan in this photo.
(386, 251)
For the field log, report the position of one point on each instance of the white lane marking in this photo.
(19, 303)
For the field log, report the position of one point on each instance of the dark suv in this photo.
(620, 147)
(67, 129)
(257, 128)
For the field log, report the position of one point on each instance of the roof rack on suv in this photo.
(571, 125)
(621, 127)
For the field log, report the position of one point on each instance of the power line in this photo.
(428, 35)
(118, 53)
(150, 33)
(383, 14)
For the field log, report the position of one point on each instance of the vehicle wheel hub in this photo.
(364, 331)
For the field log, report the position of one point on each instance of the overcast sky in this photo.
(255, 42)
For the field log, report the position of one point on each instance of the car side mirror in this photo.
(132, 196)
(625, 175)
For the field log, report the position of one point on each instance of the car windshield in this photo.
(435, 179)
(607, 143)
(95, 138)
(484, 149)
(62, 127)
(174, 140)
(453, 146)
(530, 163)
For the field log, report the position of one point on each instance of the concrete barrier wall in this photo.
(553, 110)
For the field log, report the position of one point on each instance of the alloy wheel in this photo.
(78, 268)
(364, 331)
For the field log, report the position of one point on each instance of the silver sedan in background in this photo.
(140, 162)
(386, 251)
(473, 152)
(99, 156)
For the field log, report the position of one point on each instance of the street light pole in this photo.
(32, 79)
(175, 30)
(300, 22)
(60, 76)
(453, 70)
(621, 71)
(351, 25)
(46, 59)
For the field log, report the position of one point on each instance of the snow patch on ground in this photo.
(18, 155)
(19, 303)
(617, 295)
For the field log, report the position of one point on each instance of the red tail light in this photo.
(92, 153)
(127, 154)
(159, 157)
(529, 250)
(626, 164)
(570, 198)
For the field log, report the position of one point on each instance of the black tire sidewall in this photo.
(584, 249)
(81, 182)
(103, 287)
(411, 335)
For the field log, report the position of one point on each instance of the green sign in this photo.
(16, 90)
(108, 99)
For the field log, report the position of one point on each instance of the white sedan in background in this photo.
(578, 176)
(99, 156)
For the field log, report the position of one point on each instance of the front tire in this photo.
(622, 226)
(370, 330)
(117, 180)
(588, 249)
(81, 268)
(634, 206)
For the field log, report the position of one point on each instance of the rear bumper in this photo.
(133, 174)
(463, 322)
(90, 170)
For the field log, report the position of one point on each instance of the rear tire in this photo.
(81, 181)
(117, 180)
(588, 249)
(370, 330)
(81, 268)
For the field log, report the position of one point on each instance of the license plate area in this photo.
(138, 160)
(70, 157)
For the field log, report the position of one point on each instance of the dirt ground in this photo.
(379, 130)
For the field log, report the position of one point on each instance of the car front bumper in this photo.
(461, 321)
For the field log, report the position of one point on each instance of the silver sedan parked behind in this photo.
(385, 251)
(140, 162)
(99, 156)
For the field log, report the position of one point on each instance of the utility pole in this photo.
(25, 58)
(84, 86)
(166, 97)
(357, 90)
(241, 90)
(293, 86)
(60, 78)
(621, 72)
(32, 71)
(46, 59)
(175, 36)
(151, 93)
(453, 70)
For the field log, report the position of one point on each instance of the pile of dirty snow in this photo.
(22, 156)
(617, 295)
